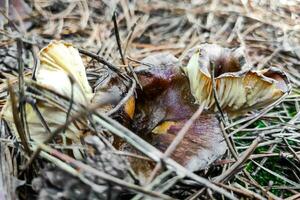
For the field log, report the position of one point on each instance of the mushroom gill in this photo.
(237, 90)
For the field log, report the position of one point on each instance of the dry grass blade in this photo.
(81, 167)
(17, 120)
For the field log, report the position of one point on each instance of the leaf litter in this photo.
(267, 34)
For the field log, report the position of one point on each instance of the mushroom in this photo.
(163, 105)
(60, 61)
(61, 68)
(172, 91)
(62, 71)
(238, 90)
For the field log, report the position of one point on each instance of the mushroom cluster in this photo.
(171, 92)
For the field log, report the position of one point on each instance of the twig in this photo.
(103, 61)
(229, 142)
(292, 150)
(153, 153)
(21, 90)
(264, 191)
(213, 82)
(17, 119)
(196, 195)
(114, 18)
(81, 167)
(242, 190)
(229, 172)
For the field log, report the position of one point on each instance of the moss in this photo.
(264, 178)
(260, 124)
(291, 111)
(262, 149)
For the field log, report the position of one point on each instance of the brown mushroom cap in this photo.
(165, 93)
(200, 147)
(164, 105)
(110, 91)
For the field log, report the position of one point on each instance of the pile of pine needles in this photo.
(264, 157)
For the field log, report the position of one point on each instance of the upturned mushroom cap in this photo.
(59, 62)
(237, 90)
(62, 70)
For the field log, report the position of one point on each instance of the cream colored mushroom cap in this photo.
(237, 90)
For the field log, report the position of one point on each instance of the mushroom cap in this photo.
(60, 65)
(61, 70)
(163, 106)
(238, 90)
(60, 62)
(201, 146)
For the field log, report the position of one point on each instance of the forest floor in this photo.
(265, 142)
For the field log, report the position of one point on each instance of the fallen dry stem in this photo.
(81, 167)
(237, 165)
(17, 119)
(153, 153)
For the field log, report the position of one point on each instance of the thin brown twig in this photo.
(117, 34)
(292, 150)
(17, 119)
(235, 167)
(81, 167)
(241, 190)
